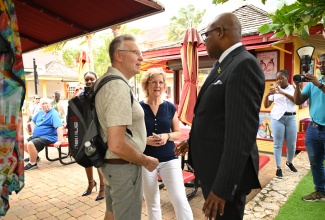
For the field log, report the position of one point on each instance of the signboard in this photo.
(269, 63)
(265, 129)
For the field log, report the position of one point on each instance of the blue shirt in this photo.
(161, 123)
(316, 102)
(46, 125)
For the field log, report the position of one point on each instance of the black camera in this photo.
(87, 89)
(299, 78)
(305, 67)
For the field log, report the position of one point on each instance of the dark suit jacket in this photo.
(226, 119)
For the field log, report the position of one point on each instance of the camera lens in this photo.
(299, 78)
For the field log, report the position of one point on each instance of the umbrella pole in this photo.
(176, 87)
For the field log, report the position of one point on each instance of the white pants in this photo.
(171, 174)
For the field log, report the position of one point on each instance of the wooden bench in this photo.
(62, 155)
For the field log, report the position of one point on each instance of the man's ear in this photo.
(118, 56)
(221, 32)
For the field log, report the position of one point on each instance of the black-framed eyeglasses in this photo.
(206, 34)
(136, 52)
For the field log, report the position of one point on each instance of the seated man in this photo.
(46, 128)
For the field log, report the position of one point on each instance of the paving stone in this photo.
(54, 192)
(278, 191)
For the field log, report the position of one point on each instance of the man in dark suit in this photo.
(226, 118)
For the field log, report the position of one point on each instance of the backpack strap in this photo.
(106, 80)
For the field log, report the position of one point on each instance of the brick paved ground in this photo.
(53, 191)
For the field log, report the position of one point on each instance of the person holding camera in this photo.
(90, 79)
(314, 90)
(283, 120)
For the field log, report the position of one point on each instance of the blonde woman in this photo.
(163, 129)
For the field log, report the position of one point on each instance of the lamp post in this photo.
(35, 75)
(305, 54)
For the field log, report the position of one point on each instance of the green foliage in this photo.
(101, 41)
(101, 57)
(224, 1)
(219, 1)
(187, 16)
(294, 19)
(129, 30)
(139, 76)
(69, 57)
(55, 47)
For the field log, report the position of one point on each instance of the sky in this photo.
(172, 7)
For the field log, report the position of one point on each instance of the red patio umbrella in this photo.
(189, 53)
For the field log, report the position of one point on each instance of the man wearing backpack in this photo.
(122, 125)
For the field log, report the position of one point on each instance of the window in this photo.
(169, 90)
(72, 89)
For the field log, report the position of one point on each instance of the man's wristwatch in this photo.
(321, 86)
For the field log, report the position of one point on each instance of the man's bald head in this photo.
(223, 32)
(230, 23)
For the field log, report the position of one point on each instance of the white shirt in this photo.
(229, 50)
(34, 108)
(281, 103)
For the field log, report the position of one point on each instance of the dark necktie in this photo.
(215, 65)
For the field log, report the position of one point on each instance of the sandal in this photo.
(99, 197)
(89, 190)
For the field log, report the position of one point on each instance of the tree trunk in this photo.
(116, 30)
(90, 51)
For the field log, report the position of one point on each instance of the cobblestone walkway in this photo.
(267, 203)
(53, 191)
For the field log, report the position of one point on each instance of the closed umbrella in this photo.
(83, 66)
(189, 54)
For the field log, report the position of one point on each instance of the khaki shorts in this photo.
(123, 190)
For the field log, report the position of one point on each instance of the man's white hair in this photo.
(45, 99)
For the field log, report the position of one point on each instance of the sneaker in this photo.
(291, 167)
(27, 159)
(279, 173)
(314, 197)
(30, 167)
